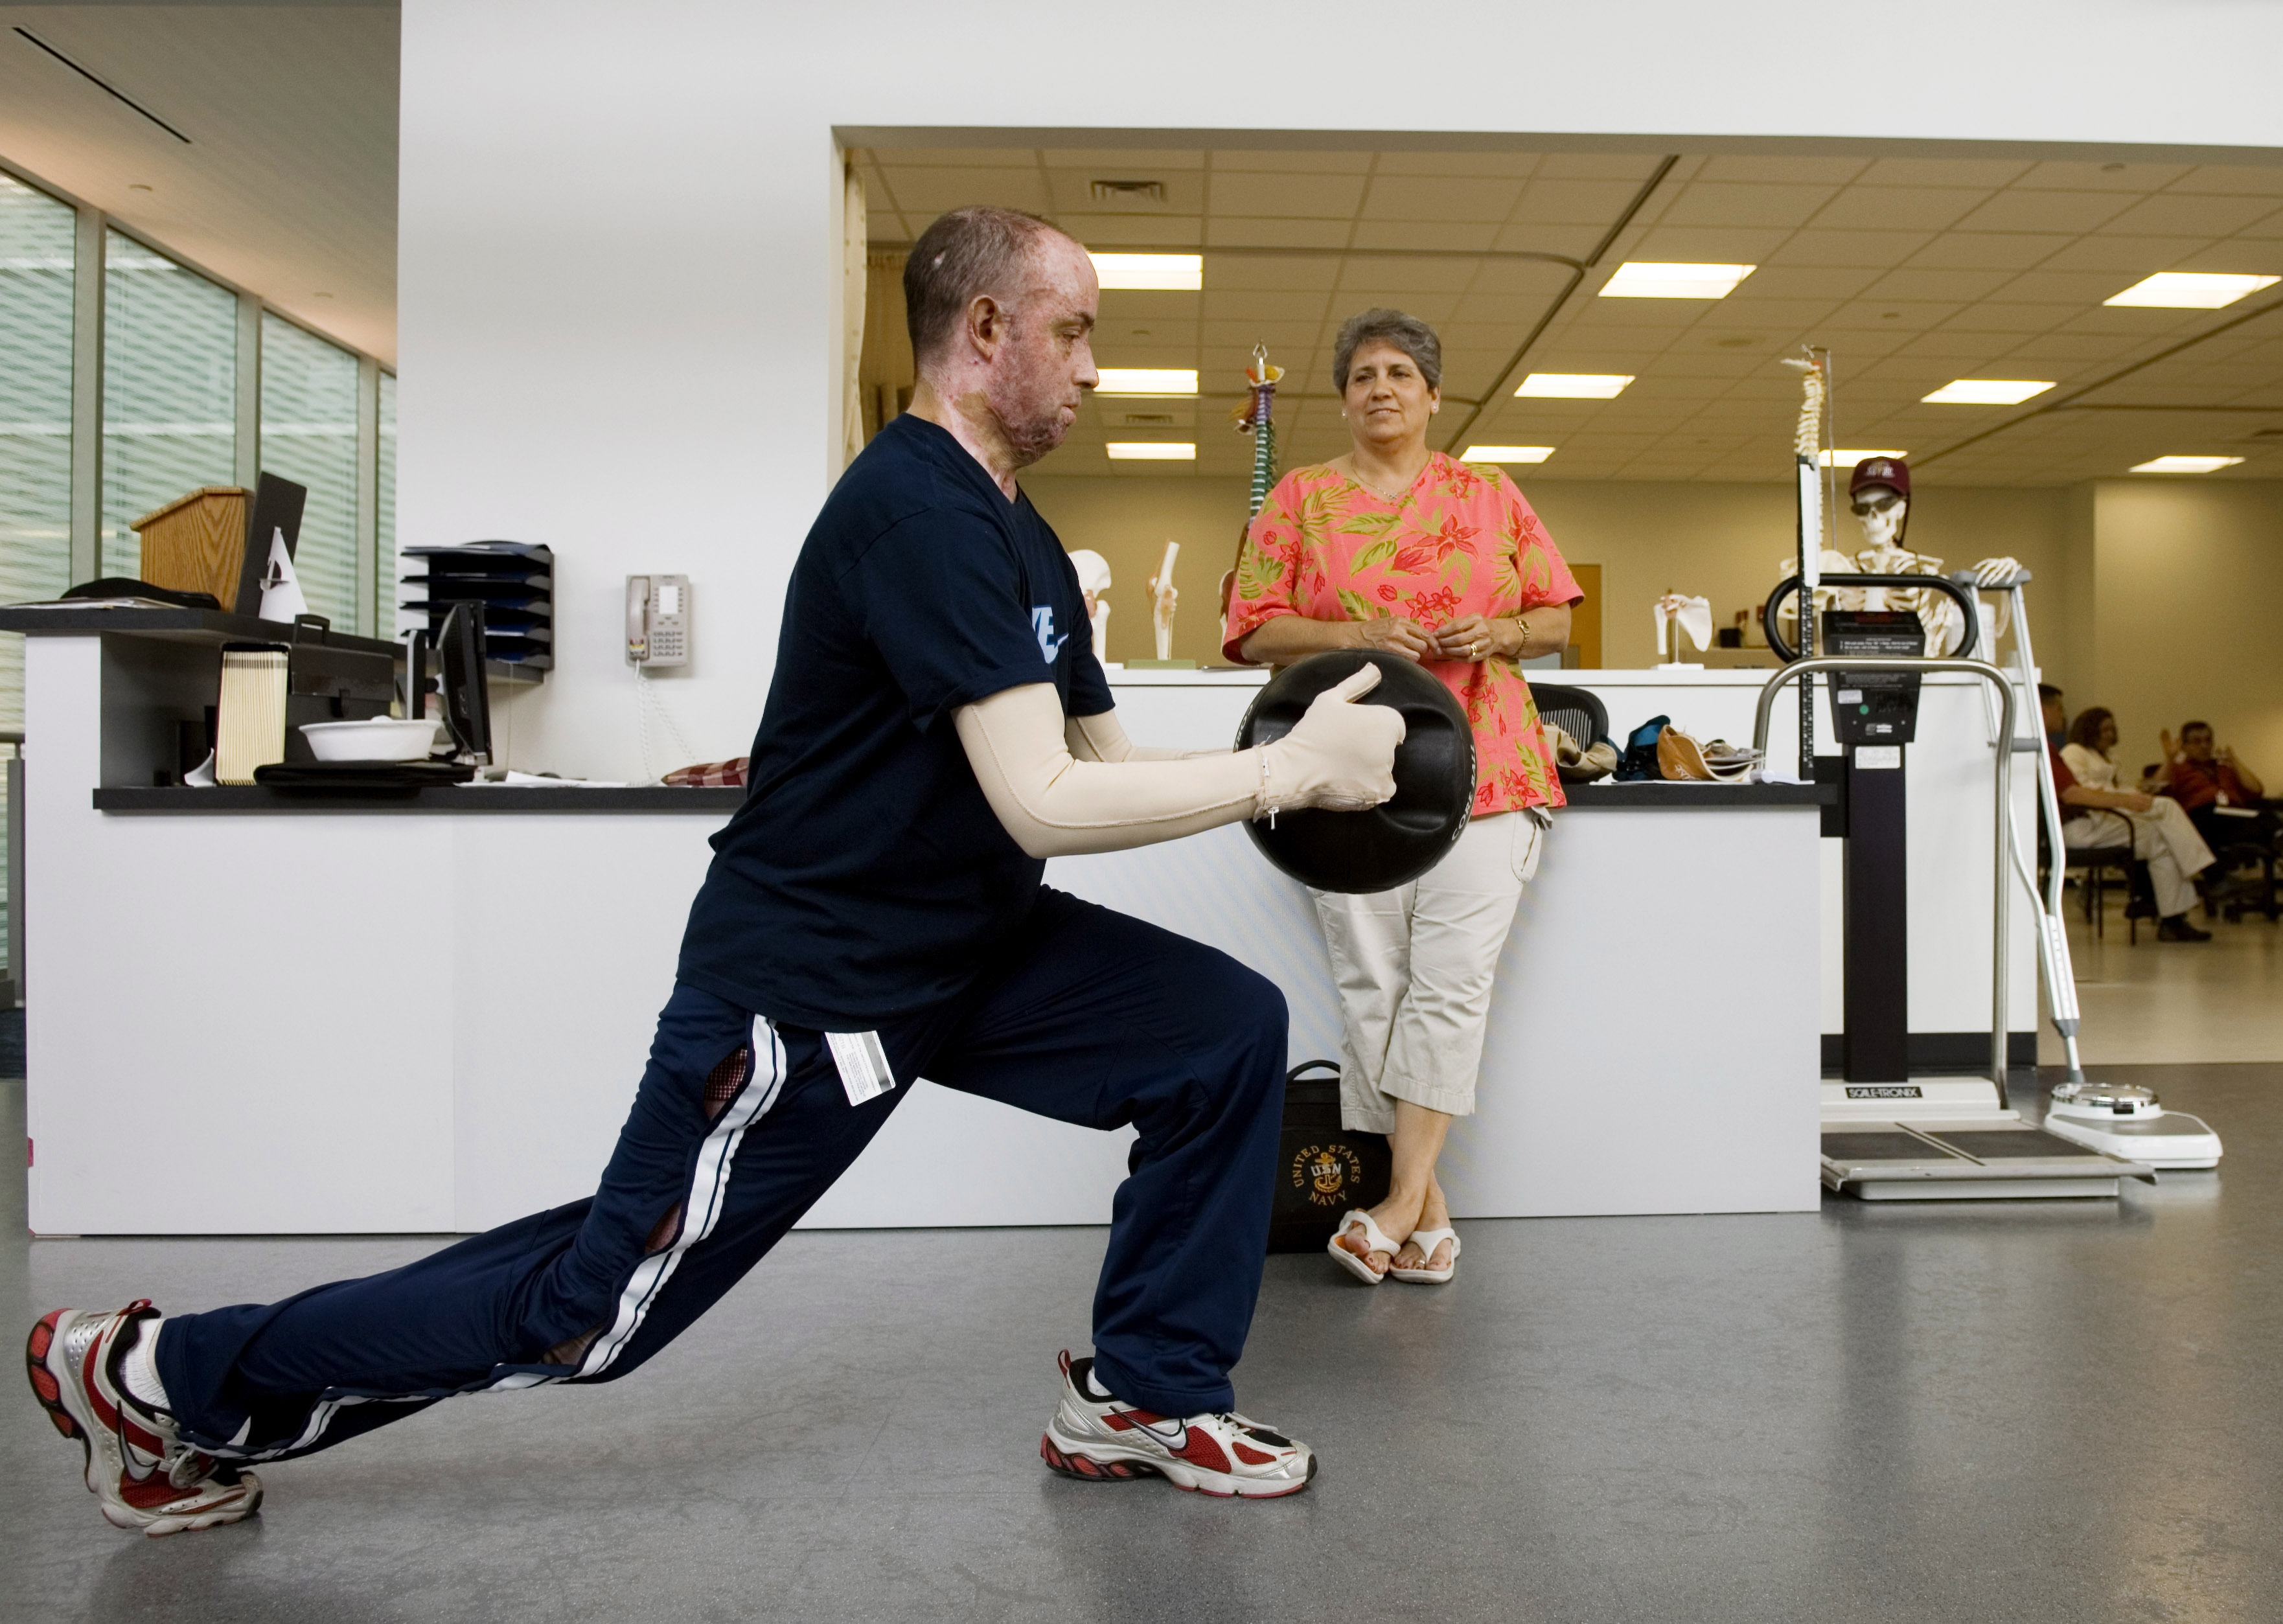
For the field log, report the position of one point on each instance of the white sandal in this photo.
(1427, 1240)
(1374, 1239)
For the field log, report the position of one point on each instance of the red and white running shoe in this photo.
(1101, 1440)
(144, 1475)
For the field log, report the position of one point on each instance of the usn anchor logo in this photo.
(1325, 1173)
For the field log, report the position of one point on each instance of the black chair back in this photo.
(1577, 712)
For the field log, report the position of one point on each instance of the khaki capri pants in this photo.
(1414, 968)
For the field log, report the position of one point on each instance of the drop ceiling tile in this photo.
(1971, 351)
(2100, 177)
(1282, 336)
(1381, 271)
(1310, 197)
(1634, 167)
(1863, 250)
(1123, 163)
(2261, 179)
(1781, 171)
(1276, 233)
(2045, 210)
(1554, 201)
(1488, 200)
(2083, 288)
(1418, 234)
(2267, 226)
(1855, 343)
(1705, 245)
(1573, 242)
(2014, 318)
(936, 191)
(1513, 166)
(1270, 161)
(1261, 304)
(1988, 173)
(1989, 250)
(1711, 202)
(1158, 331)
(2189, 214)
(1897, 208)
(2240, 255)
(1134, 232)
(1506, 309)
(1145, 307)
(1954, 285)
(1248, 272)
(1800, 282)
(2129, 258)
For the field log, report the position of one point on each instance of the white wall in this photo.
(618, 237)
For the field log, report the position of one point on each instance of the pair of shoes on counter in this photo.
(2176, 929)
(1374, 1239)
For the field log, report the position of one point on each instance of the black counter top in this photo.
(182, 626)
(234, 798)
(1682, 797)
(721, 802)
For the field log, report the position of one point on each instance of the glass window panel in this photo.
(309, 436)
(385, 511)
(169, 390)
(37, 245)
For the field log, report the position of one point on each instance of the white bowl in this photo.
(381, 738)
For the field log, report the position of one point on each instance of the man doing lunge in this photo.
(938, 725)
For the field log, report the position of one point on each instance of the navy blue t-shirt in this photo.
(865, 875)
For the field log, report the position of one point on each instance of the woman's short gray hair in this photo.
(1381, 325)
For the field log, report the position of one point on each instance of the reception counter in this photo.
(429, 1015)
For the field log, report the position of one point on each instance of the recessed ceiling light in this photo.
(1848, 459)
(2190, 289)
(1175, 273)
(1505, 453)
(1986, 392)
(1574, 386)
(1147, 381)
(1152, 450)
(1650, 279)
(2184, 465)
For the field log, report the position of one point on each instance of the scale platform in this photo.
(1958, 1144)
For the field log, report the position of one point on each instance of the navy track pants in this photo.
(1090, 1017)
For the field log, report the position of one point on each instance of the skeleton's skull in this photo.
(1881, 510)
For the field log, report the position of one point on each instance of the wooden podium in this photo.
(197, 543)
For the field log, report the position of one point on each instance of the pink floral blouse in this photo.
(1461, 541)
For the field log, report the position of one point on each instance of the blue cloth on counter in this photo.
(1087, 1016)
(865, 875)
(1638, 760)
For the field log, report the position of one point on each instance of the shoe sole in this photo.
(52, 1395)
(1072, 1460)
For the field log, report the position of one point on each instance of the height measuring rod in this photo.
(1807, 444)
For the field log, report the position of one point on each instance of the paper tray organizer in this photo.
(513, 580)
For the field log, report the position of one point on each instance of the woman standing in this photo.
(1397, 548)
(2163, 835)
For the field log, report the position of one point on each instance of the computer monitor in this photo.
(466, 692)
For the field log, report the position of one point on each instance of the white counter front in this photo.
(430, 1017)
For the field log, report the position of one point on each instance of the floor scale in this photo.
(1888, 1135)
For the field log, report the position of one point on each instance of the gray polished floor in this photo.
(2064, 1411)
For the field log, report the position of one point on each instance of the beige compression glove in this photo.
(1035, 769)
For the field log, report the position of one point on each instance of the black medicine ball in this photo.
(1393, 843)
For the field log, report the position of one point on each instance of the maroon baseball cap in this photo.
(1881, 471)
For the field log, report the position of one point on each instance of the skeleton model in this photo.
(1094, 581)
(1162, 599)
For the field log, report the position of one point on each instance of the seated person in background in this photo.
(2220, 795)
(2049, 704)
(2085, 779)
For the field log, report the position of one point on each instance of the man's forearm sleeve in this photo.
(1055, 804)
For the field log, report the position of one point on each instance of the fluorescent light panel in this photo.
(1985, 391)
(1574, 386)
(1147, 381)
(1505, 453)
(1843, 458)
(2184, 465)
(2191, 290)
(1651, 279)
(1168, 273)
(1152, 450)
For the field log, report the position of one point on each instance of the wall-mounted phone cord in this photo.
(650, 702)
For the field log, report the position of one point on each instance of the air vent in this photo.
(1129, 191)
(1147, 420)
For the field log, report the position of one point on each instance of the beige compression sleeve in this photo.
(1056, 803)
(1067, 786)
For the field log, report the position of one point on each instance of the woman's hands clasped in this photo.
(1470, 637)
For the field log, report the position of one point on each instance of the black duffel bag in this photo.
(1322, 1169)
